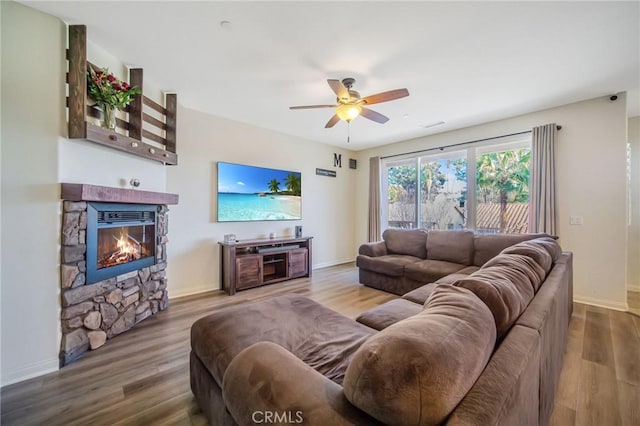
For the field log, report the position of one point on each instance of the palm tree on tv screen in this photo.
(293, 184)
(274, 186)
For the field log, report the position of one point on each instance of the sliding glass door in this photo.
(485, 188)
(399, 189)
(443, 189)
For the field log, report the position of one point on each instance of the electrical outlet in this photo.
(576, 220)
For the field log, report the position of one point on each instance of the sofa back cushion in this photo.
(551, 245)
(450, 246)
(535, 250)
(506, 284)
(519, 269)
(489, 246)
(406, 241)
(416, 371)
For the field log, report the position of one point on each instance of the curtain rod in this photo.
(440, 148)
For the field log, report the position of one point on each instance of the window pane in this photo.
(502, 191)
(443, 189)
(402, 195)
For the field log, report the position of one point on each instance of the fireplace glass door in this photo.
(120, 238)
(123, 244)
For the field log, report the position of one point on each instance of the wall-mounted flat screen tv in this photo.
(249, 193)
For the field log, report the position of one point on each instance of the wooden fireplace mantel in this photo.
(106, 194)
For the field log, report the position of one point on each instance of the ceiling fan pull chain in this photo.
(348, 131)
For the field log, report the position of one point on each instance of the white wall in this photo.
(32, 119)
(80, 161)
(633, 264)
(203, 140)
(36, 156)
(591, 155)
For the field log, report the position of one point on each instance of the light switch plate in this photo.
(576, 220)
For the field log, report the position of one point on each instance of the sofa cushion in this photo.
(552, 246)
(296, 323)
(389, 313)
(462, 273)
(519, 268)
(420, 294)
(415, 372)
(450, 246)
(505, 287)
(429, 271)
(537, 252)
(406, 241)
(487, 246)
(391, 264)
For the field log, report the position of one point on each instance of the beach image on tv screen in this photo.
(249, 193)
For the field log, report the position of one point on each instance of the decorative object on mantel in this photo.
(109, 93)
(159, 148)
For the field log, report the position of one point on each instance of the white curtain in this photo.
(542, 183)
(374, 199)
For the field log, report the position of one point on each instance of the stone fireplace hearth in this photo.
(93, 313)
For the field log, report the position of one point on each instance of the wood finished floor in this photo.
(142, 377)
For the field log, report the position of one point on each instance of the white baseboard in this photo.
(173, 294)
(633, 287)
(609, 304)
(31, 371)
(332, 263)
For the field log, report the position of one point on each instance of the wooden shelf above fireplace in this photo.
(151, 134)
(106, 194)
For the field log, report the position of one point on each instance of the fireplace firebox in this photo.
(120, 238)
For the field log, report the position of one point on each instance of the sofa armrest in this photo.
(266, 383)
(376, 249)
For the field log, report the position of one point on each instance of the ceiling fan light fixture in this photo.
(348, 112)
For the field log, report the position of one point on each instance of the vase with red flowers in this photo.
(109, 93)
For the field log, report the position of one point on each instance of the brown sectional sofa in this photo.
(485, 348)
(408, 259)
(541, 303)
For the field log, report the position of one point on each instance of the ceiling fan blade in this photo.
(312, 106)
(332, 122)
(375, 116)
(386, 96)
(339, 89)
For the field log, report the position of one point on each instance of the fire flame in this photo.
(125, 247)
(128, 249)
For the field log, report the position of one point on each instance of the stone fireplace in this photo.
(113, 261)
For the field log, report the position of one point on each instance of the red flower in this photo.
(125, 86)
(111, 78)
(117, 86)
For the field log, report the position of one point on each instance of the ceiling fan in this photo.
(349, 103)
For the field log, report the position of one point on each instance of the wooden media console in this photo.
(252, 263)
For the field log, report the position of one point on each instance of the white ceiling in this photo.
(463, 63)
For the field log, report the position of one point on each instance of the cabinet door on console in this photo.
(298, 262)
(248, 271)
